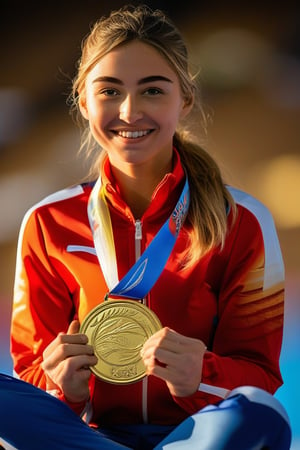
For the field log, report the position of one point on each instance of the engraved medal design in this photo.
(117, 330)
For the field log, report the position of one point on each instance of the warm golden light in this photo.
(277, 183)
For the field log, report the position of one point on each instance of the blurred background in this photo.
(249, 61)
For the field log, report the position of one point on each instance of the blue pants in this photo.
(250, 418)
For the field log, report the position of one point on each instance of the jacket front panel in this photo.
(222, 300)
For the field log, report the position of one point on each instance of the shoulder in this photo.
(62, 195)
(253, 205)
(254, 217)
(61, 200)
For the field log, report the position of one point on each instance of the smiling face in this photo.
(133, 103)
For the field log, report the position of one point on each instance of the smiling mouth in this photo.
(132, 134)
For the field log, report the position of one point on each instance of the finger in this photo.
(174, 342)
(162, 358)
(67, 350)
(169, 344)
(62, 338)
(80, 339)
(80, 362)
(74, 327)
(71, 352)
(73, 336)
(157, 368)
(155, 340)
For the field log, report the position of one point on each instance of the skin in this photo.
(66, 363)
(133, 110)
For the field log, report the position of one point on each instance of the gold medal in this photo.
(117, 330)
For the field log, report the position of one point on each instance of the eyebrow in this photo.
(149, 79)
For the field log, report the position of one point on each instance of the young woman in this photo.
(149, 299)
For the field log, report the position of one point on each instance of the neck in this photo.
(138, 184)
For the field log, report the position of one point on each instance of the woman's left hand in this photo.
(175, 358)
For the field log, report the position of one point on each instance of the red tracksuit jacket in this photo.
(232, 300)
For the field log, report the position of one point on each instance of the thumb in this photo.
(74, 327)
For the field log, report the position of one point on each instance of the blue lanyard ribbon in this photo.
(144, 273)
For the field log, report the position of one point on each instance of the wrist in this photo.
(77, 405)
(77, 399)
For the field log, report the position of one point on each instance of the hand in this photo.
(175, 358)
(66, 363)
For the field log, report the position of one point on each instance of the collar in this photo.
(164, 196)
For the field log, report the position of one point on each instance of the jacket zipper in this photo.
(138, 245)
(138, 239)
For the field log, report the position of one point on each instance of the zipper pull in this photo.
(138, 230)
(138, 239)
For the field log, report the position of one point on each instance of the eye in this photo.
(152, 91)
(109, 92)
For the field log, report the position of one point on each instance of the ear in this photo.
(186, 107)
(83, 107)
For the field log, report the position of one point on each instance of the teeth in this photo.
(133, 134)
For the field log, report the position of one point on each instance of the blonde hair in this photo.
(207, 215)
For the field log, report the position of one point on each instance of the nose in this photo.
(130, 110)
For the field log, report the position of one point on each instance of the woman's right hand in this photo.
(66, 363)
